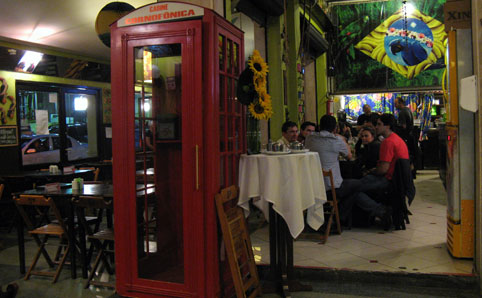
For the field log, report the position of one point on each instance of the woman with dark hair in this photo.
(368, 153)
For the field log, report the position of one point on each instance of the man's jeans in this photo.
(372, 182)
(345, 195)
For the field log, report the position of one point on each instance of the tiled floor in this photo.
(419, 248)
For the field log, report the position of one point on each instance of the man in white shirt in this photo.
(289, 131)
(329, 146)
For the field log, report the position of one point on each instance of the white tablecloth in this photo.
(292, 182)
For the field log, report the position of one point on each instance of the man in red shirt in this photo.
(391, 149)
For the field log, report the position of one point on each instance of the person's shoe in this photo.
(387, 218)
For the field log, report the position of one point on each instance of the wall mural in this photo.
(7, 104)
(390, 44)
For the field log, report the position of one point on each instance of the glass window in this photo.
(81, 120)
(158, 134)
(44, 109)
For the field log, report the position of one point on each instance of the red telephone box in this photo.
(178, 132)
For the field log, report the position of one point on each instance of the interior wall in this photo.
(321, 85)
(310, 93)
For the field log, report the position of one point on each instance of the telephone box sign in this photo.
(160, 12)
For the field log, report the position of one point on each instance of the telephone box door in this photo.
(157, 120)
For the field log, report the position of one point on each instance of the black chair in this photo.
(401, 190)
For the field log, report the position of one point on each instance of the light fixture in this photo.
(81, 103)
(409, 9)
(147, 106)
(29, 61)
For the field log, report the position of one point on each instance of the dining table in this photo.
(62, 197)
(39, 177)
(283, 186)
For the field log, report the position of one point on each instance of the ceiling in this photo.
(66, 25)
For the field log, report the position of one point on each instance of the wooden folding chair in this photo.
(238, 244)
(52, 229)
(331, 208)
(102, 239)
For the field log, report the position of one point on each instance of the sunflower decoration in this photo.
(251, 90)
(257, 65)
(261, 108)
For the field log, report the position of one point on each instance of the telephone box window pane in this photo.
(229, 170)
(229, 52)
(230, 95)
(222, 96)
(230, 127)
(221, 50)
(236, 59)
(237, 106)
(158, 96)
(221, 172)
(236, 162)
(222, 134)
(237, 129)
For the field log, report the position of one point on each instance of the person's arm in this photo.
(386, 155)
(345, 148)
(382, 168)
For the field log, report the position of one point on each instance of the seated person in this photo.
(368, 153)
(329, 146)
(344, 130)
(307, 128)
(289, 132)
(391, 149)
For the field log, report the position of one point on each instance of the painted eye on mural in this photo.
(406, 45)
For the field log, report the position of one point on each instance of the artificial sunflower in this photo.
(260, 84)
(268, 110)
(257, 109)
(257, 65)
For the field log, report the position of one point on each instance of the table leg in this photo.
(21, 244)
(71, 235)
(290, 283)
(83, 249)
(273, 237)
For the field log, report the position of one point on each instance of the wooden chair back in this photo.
(58, 229)
(237, 243)
(38, 201)
(333, 212)
(82, 203)
(96, 172)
